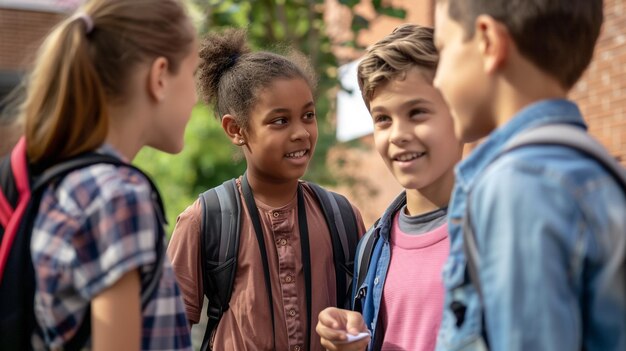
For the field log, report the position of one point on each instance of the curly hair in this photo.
(230, 75)
(408, 46)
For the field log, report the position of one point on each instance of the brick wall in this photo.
(602, 91)
(21, 33)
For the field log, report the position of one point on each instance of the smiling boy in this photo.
(401, 294)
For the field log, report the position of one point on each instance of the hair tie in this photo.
(232, 60)
(87, 20)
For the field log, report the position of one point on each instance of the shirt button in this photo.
(288, 278)
(292, 313)
(376, 281)
(275, 214)
(282, 242)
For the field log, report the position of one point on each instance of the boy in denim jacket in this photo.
(549, 222)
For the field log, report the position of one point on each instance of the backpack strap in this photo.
(221, 208)
(219, 240)
(566, 135)
(342, 225)
(9, 171)
(573, 137)
(151, 281)
(363, 258)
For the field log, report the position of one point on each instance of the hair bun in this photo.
(220, 52)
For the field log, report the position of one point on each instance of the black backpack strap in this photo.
(219, 240)
(150, 282)
(363, 258)
(343, 228)
(7, 181)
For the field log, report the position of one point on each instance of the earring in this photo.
(241, 141)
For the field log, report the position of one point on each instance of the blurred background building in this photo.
(23, 23)
(601, 93)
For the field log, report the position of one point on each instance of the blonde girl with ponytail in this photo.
(113, 78)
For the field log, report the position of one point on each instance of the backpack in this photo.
(220, 231)
(20, 194)
(552, 134)
(363, 258)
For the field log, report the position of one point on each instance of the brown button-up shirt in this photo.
(247, 323)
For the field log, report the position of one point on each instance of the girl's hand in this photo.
(335, 324)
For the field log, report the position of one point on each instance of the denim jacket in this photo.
(550, 226)
(369, 295)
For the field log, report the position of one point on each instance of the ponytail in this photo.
(85, 64)
(65, 103)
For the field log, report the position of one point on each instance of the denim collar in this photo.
(386, 220)
(534, 115)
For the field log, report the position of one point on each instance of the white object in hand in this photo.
(353, 338)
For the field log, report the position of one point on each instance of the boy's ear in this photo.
(157, 78)
(233, 131)
(493, 41)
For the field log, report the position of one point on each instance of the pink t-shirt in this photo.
(413, 294)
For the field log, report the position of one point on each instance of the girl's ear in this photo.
(233, 131)
(157, 79)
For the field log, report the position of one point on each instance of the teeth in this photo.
(409, 157)
(296, 154)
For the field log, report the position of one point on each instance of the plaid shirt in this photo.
(95, 226)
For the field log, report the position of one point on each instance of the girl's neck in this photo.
(272, 192)
(122, 134)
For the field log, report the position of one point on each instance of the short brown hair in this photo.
(558, 36)
(408, 46)
(230, 75)
(79, 69)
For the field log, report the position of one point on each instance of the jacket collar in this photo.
(534, 115)
(383, 226)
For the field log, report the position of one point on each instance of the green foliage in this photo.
(382, 9)
(350, 3)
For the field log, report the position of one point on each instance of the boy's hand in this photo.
(333, 326)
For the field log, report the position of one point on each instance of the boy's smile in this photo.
(407, 159)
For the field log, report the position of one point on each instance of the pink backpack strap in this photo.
(19, 167)
(5, 210)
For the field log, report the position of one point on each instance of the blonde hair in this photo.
(86, 61)
(408, 46)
